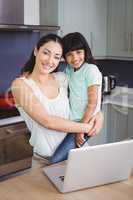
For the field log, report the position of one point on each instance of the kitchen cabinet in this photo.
(117, 123)
(15, 150)
(87, 17)
(120, 29)
(97, 27)
(130, 123)
(19, 12)
(31, 12)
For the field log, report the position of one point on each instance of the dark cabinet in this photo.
(15, 150)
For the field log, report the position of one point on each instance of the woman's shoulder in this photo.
(62, 78)
(60, 75)
(18, 82)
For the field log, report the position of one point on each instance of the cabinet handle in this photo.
(91, 40)
(131, 41)
(128, 41)
(125, 41)
(61, 33)
(8, 131)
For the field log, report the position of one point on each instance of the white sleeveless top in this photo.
(43, 140)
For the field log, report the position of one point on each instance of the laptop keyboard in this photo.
(61, 178)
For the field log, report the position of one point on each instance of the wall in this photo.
(15, 48)
(123, 70)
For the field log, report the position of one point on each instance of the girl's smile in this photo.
(75, 58)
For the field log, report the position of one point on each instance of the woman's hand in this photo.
(97, 121)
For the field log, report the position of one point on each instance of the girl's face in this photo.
(48, 57)
(75, 58)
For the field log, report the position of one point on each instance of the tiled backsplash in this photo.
(123, 70)
(15, 48)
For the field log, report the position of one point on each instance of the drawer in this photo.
(13, 130)
(17, 148)
(2, 153)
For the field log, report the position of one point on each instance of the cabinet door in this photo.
(14, 143)
(31, 12)
(74, 16)
(17, 148)
(120, 29)
(130, 123)
(116, 27)
(117, 123)
(49, 12)
(101, 138)
(2, 152)
(97, 12)
(129, 27)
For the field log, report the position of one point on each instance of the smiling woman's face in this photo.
(48, 57)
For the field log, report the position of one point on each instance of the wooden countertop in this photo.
(34, 185)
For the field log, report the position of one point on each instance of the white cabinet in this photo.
(97, 27)
(120, 29)
(31, 12)
(87, 17)
(130, 123)
(117, 125)
(129, 26)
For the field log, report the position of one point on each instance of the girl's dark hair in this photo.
(29, 65)
(75, 41)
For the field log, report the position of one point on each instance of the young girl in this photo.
(84, 78)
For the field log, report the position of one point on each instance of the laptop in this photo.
(92, 166)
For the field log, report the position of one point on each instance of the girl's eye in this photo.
(68, 54)
(80, 51)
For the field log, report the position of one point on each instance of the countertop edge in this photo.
(108, 99)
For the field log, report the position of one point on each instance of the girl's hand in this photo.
(97, 121)
(79, 139)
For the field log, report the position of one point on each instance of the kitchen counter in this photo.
(121, 96)
(34, 185)
(11, 120)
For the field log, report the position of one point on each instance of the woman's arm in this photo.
(25, 98)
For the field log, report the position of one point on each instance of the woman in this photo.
(42, 101)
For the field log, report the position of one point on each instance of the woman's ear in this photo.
(35, 51)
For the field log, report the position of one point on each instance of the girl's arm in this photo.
(25, 98)
(92, 103)
(91, 106)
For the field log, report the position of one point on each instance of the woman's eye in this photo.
(45, 53)
(57, 58)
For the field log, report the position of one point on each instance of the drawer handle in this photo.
(8, 131)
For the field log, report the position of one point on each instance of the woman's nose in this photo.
(50, 60)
